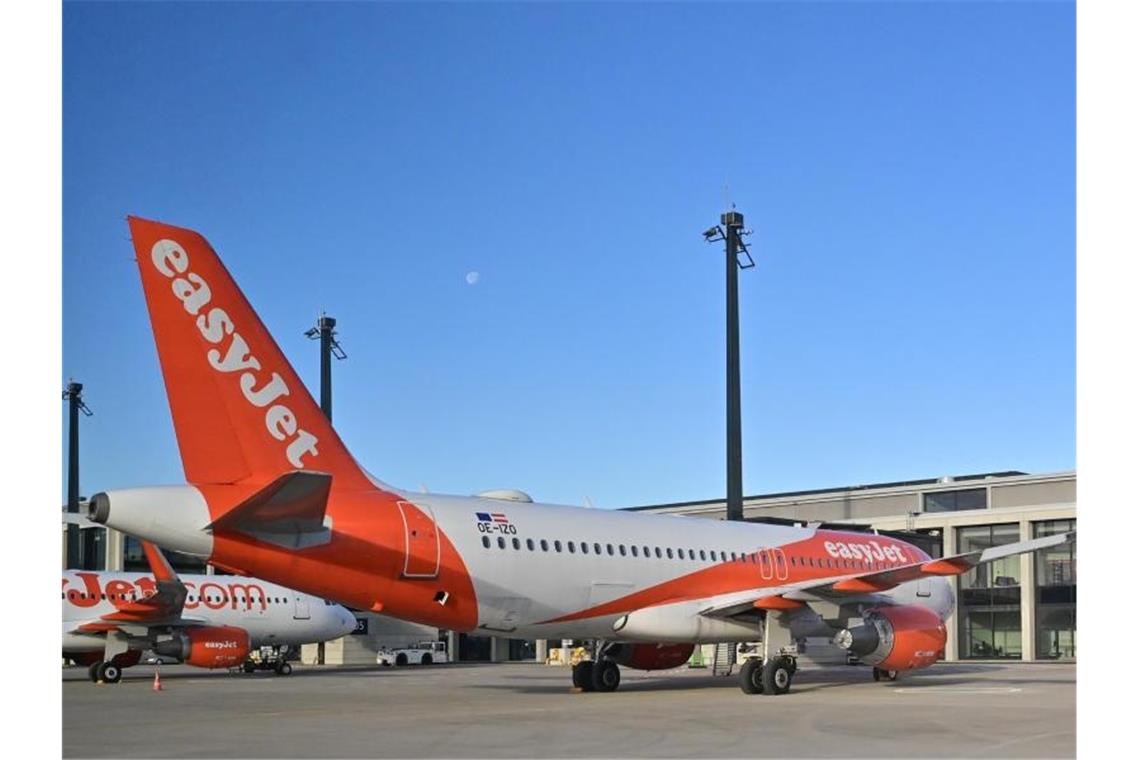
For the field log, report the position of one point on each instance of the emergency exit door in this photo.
(421, 541)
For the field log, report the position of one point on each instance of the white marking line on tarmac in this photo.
(956, 690)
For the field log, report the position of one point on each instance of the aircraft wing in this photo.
(796, 595)
(162, 607)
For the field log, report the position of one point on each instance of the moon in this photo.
(472, 278)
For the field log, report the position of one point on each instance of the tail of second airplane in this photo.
(240, 411)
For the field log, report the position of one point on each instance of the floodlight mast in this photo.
(73, 394)
(329, 348)
(731, 230)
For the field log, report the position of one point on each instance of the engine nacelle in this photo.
(207, 647)
(650, 656)
(896, 638)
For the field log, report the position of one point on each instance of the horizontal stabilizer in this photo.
(289, 512)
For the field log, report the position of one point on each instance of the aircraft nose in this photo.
(347, 621)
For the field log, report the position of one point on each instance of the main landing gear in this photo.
(772, 672)
(771, 677)
(107, 672)
(596, 675)
(884, 675)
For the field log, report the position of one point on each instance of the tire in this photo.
(752, 676)
(583, 674)
(425, 660)
(605, 675)
(283, 668)
(109, 672)
(93, 671)
(777, 675)
(876, 674)
(247, 667)
(401, 659)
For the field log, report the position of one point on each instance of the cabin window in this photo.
(621, 549)
(530, 544)
(702, 555)
(486, 542)
(570, 547)
(545, 546)
(610, 549)
(515, 543)
(557, 545)
(658, 551)
(502, 543)
(586, 548)
(669, 552)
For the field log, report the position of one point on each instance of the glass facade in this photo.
(94, 542)
(954, 501)
(989, 597)
(1056, 571)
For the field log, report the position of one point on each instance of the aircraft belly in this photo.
(77, 642)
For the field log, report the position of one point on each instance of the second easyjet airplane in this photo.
(273, 492)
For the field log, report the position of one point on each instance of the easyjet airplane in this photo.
(273, 492)
(211, 621)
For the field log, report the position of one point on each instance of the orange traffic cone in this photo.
(157, 681)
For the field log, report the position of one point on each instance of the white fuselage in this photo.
(273, 615)
(519, 588)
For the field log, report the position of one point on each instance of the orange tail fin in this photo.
(240, 411)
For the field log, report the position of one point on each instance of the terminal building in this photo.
(1021, 608)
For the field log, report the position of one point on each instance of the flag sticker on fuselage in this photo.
(494, 522)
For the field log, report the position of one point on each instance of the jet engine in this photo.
(896, 638)
(650, 656)
(207, 647)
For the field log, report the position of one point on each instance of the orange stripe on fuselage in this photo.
(732, 576)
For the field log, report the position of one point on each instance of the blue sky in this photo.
(908, 170)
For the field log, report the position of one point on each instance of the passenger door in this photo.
(421, 541)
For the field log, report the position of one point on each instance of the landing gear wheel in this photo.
(109, 672)
(247, 667)
(583, 675)
(777, 675)
(751, 680)
(283, 668)
(606, 675)
(93, 671)
(880, 674)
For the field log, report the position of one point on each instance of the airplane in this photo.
(209, 621)
(271, 491)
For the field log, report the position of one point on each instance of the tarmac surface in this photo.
(529, 710)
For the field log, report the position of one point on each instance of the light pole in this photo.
(329, 348)
(731, 231)
(74, 397)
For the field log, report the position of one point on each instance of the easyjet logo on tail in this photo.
(172, 261)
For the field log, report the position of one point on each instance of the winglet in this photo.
(159, 565)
